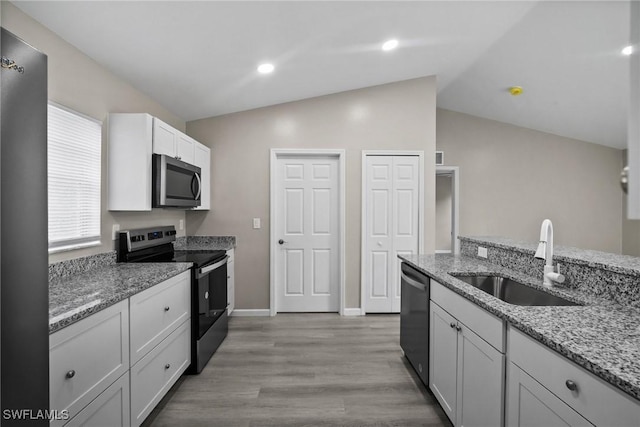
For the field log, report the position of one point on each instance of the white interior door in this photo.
(392, 185)
(306, 233)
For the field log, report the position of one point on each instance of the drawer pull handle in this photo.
(167, 366)
(166, 308)
(571, 385)
(453, 325)
(71, 374)
(458, 328)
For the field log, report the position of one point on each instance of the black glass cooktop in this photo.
(198, 258)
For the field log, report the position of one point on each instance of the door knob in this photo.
(281, 241)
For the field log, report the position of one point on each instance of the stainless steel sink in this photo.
(512, 292)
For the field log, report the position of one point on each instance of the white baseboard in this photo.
(250, 312)
(353, 312)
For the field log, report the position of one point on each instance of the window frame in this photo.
(73, 243)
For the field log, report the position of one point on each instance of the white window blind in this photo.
(73, 150)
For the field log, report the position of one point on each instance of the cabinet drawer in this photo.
(530, 404)
(110, 409)
(157, 311)
(86, 357)
(594, 399)
(156, 372)
(489, 327)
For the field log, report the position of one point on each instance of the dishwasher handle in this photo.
(412, 282)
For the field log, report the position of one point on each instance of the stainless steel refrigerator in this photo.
(24, 290)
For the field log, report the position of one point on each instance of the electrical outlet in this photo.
(181, 224)
(114, 231)
(482, 252)
(256, 223)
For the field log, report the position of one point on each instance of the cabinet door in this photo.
(230, 281)
(164, 138)
(202, 159)
(129, 162)
(443, 369)
(185, 146)
(111, 408)
(156, 372)
(480, 376)
(529, 404)
(86, 357)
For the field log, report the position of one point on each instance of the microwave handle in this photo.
(199, 185)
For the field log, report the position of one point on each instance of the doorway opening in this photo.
(447, 209)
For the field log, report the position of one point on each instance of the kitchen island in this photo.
(581, 363)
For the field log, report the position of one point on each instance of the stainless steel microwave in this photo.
(176, 184)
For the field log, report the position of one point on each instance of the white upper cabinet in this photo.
(202, 159)
(185, 148)
(133, 139)
(129, 167)
(164, 138)
(170, 141)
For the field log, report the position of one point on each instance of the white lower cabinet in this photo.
(157, 311)
(157, 371)
(99, 380)
(231, 282)
(86, 358)
(542, 380)
(111, 408)
(465, 371)
(529, 404)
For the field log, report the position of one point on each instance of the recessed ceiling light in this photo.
(627, 50)
(390, 45)
(266, 68)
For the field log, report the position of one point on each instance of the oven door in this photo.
(211, 281)
(175, 183)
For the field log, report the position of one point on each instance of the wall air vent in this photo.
(439, 158)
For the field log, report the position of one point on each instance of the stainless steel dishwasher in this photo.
(414, 319)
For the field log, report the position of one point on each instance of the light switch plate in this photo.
(114, 231)
(181, 224)
(256, 223)
(482, 252)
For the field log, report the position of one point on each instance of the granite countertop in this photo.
(205, 243)
(83, 286)
(74, 297)
(601, 336)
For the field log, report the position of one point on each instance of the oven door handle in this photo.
(209, 268)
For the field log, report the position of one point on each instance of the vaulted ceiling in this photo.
(199, 58)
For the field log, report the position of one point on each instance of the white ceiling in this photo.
(199, 58)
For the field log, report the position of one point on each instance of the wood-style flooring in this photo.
(304, 370)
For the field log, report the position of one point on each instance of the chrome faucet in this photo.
(545, 252)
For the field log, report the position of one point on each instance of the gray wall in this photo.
(443, 212)
(397, 116)
(78, 82)
(511, 178)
